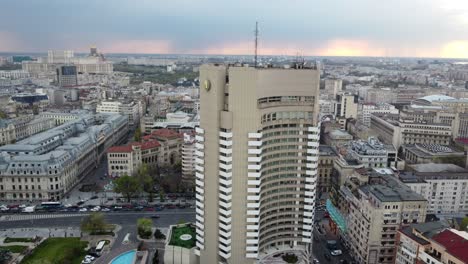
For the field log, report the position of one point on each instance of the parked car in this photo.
(315, 261)
(336, 252)
(83, 210)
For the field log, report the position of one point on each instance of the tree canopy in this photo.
(127, 186)
(94, 223)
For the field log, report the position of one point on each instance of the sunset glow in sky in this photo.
(406, 28)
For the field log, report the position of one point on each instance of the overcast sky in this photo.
(416, 28)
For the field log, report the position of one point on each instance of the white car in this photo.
(105, 210)
(83, 210)
(89, 257)
(86, 261)
(336, 252)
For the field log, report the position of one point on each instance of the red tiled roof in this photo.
(454, 244)
(165, 133)
(120, 149)
(147, 144)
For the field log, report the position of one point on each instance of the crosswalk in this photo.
(20, 217)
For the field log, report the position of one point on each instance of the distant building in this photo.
(432, 153)
(67, 75)
(443, 185)
(333, 87)
(337, 138)
(60, 56)
(397, 131)
(368, 109)
(346, 106)
(131, 109)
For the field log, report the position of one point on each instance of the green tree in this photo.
(5, 255)
(464, 224)
(144, 226)
(94, 223)
(137, 135)
(158, 234)
(146, 180)
(127, 186)
(162, 195)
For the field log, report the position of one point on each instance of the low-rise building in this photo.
(432, 153)
(445, 186)
(47, 165)
(372, 153)
(430, 243)
(397, 131)
(125, 160)
(337, 138)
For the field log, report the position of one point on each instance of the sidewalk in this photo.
(40, 232)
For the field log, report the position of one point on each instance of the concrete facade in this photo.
(256, 165)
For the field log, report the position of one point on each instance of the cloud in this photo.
(9, 42)
(137, 46)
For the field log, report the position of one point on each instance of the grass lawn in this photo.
(58, 250)
(177, 232)
(18, 239)
(15, 249)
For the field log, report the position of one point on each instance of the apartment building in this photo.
(327, 157)
(346, 105)
(443, 185)
(188, 161)
(47, 165)
(256, 168)
(333, 87)
(131, 109)
(430, 243)
(374, 213)
(367, 109)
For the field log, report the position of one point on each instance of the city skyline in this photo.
(415, 28)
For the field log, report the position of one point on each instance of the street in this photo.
(319, 245)
(166, 218)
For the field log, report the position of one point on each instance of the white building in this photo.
(60, 56)
(445, 186)
(130, 109)
(347, 106)
(333, 86)
(369, 108)
(372, 153)
(188, 160)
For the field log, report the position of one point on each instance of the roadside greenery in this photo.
(144, 226)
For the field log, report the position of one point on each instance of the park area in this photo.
(58, 250)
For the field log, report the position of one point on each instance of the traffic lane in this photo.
(165, 220)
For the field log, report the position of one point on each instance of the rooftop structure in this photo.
(429, 153)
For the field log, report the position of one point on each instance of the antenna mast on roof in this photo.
(256, 42)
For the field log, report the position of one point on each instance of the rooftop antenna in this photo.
(256, 42)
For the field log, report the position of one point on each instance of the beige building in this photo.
(346, 106)
(327, 157)
(394, 129)
(188, 161)
(374, 213)
(333, 87)
(256, 165)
